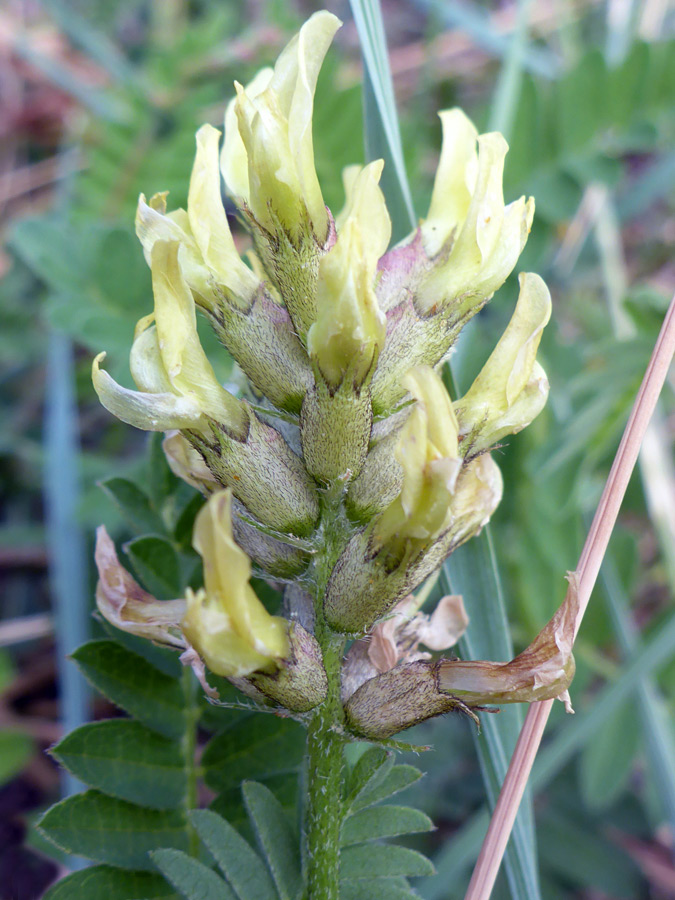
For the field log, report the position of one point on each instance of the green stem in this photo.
(189, 747)
(324, 763)
(325, 738)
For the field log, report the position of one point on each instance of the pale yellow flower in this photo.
(274, 176)
(225, 621)
(476, 237)
(177, 385)
(350, 327)
(512, 388)
(428, 453)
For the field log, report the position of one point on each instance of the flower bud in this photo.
(381, 477)
(511, 389)
(349, 330)
(275, 127)
(178, 388)
(335, 429)
(225, 621)
(266, 346)
(300, 682)
(487, 243)
(275, 557)
(264, 474)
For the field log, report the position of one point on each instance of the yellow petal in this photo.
(208, 221)
(233, 158)
(148, 411)
(454, 182)
(154, 224)
(511, 388)
(187, 368)
(350, 327)
(365, 204)
(275, 127)
(229, 616)
(209, 630)
(426, 386)
(427, 450)
(490, 239)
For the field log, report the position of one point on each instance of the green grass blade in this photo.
(461, 852)
(656, 723)
(472, 571)
(381, 127)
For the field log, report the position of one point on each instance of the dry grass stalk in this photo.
(503, 817)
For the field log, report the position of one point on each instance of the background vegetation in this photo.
(100, 102)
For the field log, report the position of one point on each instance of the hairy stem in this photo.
(324, 762)
(325, 737)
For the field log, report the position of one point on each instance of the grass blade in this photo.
(381, 127)
(472, 572)
(67, 553)
(656, 724)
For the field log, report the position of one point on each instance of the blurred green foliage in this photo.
(79, 269)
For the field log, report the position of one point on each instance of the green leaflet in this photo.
(134, 504)
(193, 879)
(244, 870)
(126, 760)
(113, 831)
(157, 565)
(368, 772)
(257, 746)
(382, 861)
(230, 803)
(397, 779)
(111, 883)
(132, 683)
(377, 889)
(383, 822)
(276, 838)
